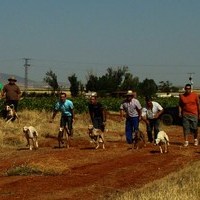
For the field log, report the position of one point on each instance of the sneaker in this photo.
(196, 142)
(186, 143)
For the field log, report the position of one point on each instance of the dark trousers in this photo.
(66, 121)
(153, 126)
(98, 123)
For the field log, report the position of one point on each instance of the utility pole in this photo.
(190, 79)
(26, 65)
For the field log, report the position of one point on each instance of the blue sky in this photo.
(156, 39)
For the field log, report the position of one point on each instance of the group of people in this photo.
(133, 112)
(189, 111)
(130, 109)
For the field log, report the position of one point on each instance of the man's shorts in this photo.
(190, 124)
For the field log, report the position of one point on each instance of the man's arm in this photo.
(198, 106)
(180, 107)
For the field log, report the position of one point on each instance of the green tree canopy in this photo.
(148, 87)
(74, 85)
(51, 80)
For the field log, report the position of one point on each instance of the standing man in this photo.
(97, 113)
(150, 115)
(132, 109)
(11, 92)
(189, 110)
(66, 107)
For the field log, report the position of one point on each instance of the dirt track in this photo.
(92, 174)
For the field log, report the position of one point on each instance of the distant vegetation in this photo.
(114, 80)
(80, 103)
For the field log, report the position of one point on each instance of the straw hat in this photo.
(129, 93)
(12, 78)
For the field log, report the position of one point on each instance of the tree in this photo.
(92, 82)
(107, 83)
(148, 87)
(74, 85)
(130, 82)
(51, 80)
(167, 87)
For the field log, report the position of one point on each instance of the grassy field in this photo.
(182, 184)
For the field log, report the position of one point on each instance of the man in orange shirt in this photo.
(189, 110)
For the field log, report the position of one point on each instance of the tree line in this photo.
(114, 80)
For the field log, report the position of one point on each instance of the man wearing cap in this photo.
(132, 109)
(11, 92)
(97, 113)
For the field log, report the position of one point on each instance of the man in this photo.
(97, 113)
(150, 115)
(11, 92)
(132, 109)
(66, 107)
(189, 110)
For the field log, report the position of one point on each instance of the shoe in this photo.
(186, 143)
(196, 142)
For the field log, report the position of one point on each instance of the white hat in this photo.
(129, 93)
(93, 94)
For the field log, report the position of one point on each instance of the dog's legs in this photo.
(9, 120)
(166, 149)
(97, 142)
(35, 142)
(161, 151)
(28, 142)
(31, 144)
(97, 145)
(60, 137)
(102, 141)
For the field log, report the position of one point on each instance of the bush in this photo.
(81, 103)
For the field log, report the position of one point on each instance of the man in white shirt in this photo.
(132, 109)
(150, 115)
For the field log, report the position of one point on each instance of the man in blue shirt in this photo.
(66, 107)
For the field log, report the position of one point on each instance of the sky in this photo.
(156, 39)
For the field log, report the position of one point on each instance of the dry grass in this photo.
(50, 166)
(11, 133)
(176, 186)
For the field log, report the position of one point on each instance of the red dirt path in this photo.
(92, 174)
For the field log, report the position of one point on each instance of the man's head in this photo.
(188, 88)
(63, 97)
(93, 99)
(129, 95)
(12, 80)
(148, 101)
